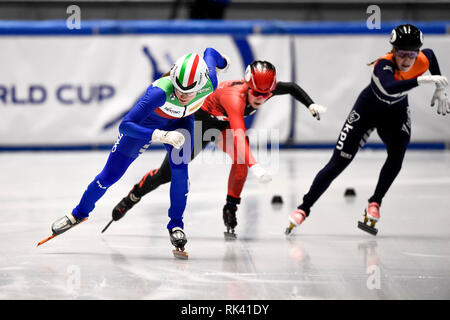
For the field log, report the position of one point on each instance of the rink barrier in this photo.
(230, 27)
(233, 28)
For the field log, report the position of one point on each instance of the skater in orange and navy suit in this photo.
(383, 105)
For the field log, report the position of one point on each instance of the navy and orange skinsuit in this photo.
(224, 109)
(382, 105)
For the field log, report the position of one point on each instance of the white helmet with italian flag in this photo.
(189, 73)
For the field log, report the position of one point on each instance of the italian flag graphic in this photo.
(187, 72)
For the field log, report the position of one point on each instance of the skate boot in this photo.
(65, 223)
(229, 219)
(178, 239)
(372, 215)
(124, 205)
(296, 218)
(122, 208)
(62, 225)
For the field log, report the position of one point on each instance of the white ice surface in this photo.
(328, 257)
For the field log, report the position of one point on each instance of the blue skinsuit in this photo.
(135, 132)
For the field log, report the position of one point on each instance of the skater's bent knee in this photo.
(164, 177)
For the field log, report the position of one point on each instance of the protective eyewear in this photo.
(181, 94)
(407, 54)
(260, 94)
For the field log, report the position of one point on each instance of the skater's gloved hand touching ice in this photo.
(316, 110)
(440, 96)
(260, 173)
(174, 138)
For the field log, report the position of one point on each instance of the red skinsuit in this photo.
(228, 103)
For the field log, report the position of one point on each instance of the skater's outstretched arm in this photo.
(384, 77)
(294, 90)
(214, 60)
(300, 95)
(434, 65)
(153, 98)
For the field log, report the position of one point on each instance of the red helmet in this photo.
(261, 76)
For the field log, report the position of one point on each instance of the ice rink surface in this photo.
(328, 257)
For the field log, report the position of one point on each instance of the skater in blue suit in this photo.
(163, 114)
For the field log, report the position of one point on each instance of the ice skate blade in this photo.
(289, 229)
(107, 226)
(183, 255)
(55, 235)
(46, 239)
(368, 229)
(230, 236)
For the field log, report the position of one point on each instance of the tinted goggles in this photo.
(260, 94)
(406, 54)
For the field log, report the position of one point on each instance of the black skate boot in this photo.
(178, 239)
(229, 219)
(122, 207)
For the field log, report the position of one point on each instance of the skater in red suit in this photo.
(226, 109)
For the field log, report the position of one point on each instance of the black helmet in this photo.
(406, 37)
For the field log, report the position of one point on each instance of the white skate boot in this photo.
(178, 239)
(62, 225)
(65, 223)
